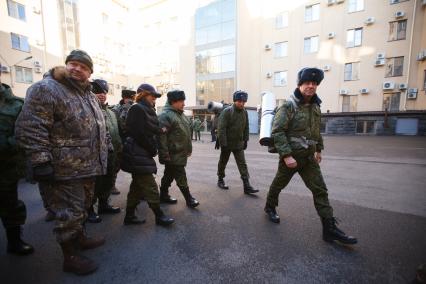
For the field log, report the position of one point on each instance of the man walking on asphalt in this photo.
(62, 130)
(298, 141)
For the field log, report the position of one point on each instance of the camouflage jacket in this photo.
(112, 128)
(121, 111)
(62, 123)
(233, 128)
(296, 127)
(11, 159)
(175, 145)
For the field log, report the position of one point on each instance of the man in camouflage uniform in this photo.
(62, 130)
(233, 135)
(175, 147)
(298, 141)
(105, 183)
(12, 210)
(197, 124)
(121, 110)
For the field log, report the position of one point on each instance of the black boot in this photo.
(272, 214)
(15, 244)
(92, 216)
(248, 189)
(165, 197)
(131, 218)
(160, 218)
(190, 201)
(221, 184)
(105, 208)
(331, 233)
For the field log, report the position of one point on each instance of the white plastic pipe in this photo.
(268, 112)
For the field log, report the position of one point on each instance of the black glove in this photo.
(217, 145)
(245, 145)
(43, 172)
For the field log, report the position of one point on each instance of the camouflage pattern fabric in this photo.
(61, 123)
(233, 128)
(69, 200)
(174, 172)
(121, 111)
(239, 159)
(143, 185)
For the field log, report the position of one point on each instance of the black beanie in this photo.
(80, 56)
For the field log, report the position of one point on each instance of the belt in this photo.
(303, 141)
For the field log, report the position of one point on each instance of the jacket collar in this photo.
(61, 75)
(298, 98)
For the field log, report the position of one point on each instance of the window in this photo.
(312, 13)
(397, 30)
(16, 10)
(355, 6)
(105, 19)
(354, 37)
(349, 103)
(311, 44)
(394, 66)
(281, 20)
(365, 127)
(20, 42)
(281, 49)
(23, 75)
(280, 78)
(352, 71)
(391, 101)
(424, 80)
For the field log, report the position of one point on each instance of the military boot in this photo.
(75, 263)
(105, 208)
(84, 242)
(190, 201)
(165, 197)
(160, 218)
(92, 216)
(272, 214)
(331, 233)
(131, 218)
(248, 189)
(221, 184)
(15, 244)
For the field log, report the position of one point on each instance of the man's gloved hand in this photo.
(43, 172)
(245, 145)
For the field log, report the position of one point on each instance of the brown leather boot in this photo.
(85, 242)
(75, 263)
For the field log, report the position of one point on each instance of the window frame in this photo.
(387, 64)
(352, 77)
(24, 71)
(15, 6)
(285, 78)
(356, 6)
(354, 38)
(397, 32)
(312, 7)
(285, 43)
(283, 24)
(21, 40)
(352, 105)
(310, 44)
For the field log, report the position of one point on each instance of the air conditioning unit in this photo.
(5, 69)
(343, 92)
(269, 75)
(364, 91)
(268, 47)
(369, 21)
(331, 2)
(422, 55)
(402, 86)
(340, 1)
(394, 1)
(39, 42)
(388, 85)
(326, 68)
(331, 35)
(399, 14)
(37, 64)
(37, 70)
(36, 10)
(412, 94)
(379, 62)
(381, 55)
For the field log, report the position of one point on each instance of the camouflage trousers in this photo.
(239, 159)
(69, 200)
(311, 175)
(171, 173)
(143, 185)
(12, 210)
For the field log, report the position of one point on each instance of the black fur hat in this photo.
(240, 96)
(99, 86)
(127, 94)
(310, 75)
(175, 95)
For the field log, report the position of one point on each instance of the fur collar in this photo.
(61, 75)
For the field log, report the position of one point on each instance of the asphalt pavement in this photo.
(377, 187)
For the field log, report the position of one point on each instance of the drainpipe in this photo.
(410, 52)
